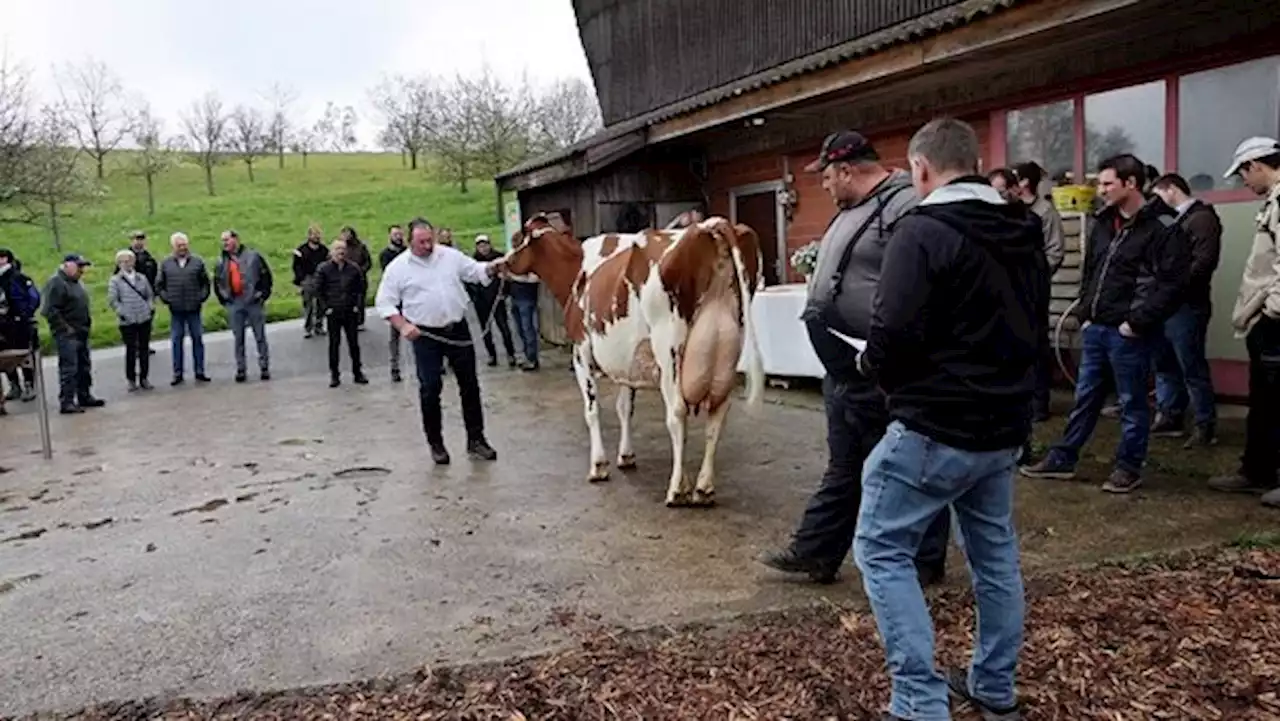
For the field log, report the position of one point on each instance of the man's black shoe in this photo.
(440, 455)
(493, 362)
(360, 380)
(67, 410)
(395, 377)
(819, 570)
(958, 685)
(334, 381)
(480, 450)
(177, 381)
(241, 376)
(91, 402)
(265, 375)
(202, 378)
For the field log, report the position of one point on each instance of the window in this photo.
(1045, 134)
(1219, 108)
(1127, 120)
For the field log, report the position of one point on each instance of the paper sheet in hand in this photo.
(858, 345)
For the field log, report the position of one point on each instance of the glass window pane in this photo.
(1127, 120)
(1045, 134)
(1219, 108)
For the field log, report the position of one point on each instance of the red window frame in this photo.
(998, 132)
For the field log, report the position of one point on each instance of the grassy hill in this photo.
(367, 191)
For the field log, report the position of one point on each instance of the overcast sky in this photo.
(172, 51)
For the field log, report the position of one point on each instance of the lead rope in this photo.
(486, 328)
(1057, 341)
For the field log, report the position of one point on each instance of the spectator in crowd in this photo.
(1027, 190)
(130, 295)
(491, 305)
(19, 303)
(870, 198)
(306, 259)
(1133, 281)
(183, 285)
(524, 292)
(422, 295)
(446, 237)
(1256, 318)
(341, 285)
(359, 254)
(1004, 182)
(954, 341)
(686, 219)
(395, 246)
(1182, 366)
(66, 307)
(144, 261)
(242, 281)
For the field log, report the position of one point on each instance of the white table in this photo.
(781, 335)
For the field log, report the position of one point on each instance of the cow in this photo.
(664, 309)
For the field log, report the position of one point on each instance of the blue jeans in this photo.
(524, 299)
(1109, 358)
(908, 480)
(180, 326)
(1182, 370)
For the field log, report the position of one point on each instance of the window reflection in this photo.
(1044, 134)
(1219, 108)
(1127, 120)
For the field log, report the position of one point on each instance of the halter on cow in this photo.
(665, 309)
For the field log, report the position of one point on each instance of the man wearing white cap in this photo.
(1256, 318)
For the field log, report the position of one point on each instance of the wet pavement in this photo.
(205, 539)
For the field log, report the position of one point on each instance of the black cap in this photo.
(76, 258)
(844, 146)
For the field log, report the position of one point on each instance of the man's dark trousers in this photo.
(74, 371)
(856, 420)
(340, 324)
(495, 316)
(429, 354)
(1261, 457)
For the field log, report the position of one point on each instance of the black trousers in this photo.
(498, 311)
(1045, 362)
(429, 355)
(75, 368)
(137, 344)
(1261, 457)
(340, 324)
(857, 418)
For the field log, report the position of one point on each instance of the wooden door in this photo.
(760, 211)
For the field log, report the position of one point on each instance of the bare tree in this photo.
(565, 113)
(55, 178)
(454, 131)
(94, 97)
(502, 113)
(336, 128)
(206, 126)
(153, 155)
(303, 142)
(248, 138)
(405, 105)
(17, 130)
(280, 98)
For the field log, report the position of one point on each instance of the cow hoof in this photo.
(679, 500)
(599, 473)
(627, 462)
(705, 498)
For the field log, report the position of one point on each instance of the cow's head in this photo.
(549, 251)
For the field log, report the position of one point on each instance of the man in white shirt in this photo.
(422, 294)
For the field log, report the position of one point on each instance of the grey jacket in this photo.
(183, 288)
(1055, 248)
(255, 277)
(858, 287)
(131, 299)
(66, 305)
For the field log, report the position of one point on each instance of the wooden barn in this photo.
(721, 103)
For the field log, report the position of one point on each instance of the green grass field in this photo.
(367, 191)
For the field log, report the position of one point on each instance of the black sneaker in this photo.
(480, 450)
(512, 363)
(360, 379)
(493, 362)
(91, 402)
(1122, 481)
(1168, 426)
(241, 376)
(69, 409)
(822, 570)
(306, 334)
(202, 378)
(958, 685)
(1203, 437)
(265, 375)
(1049, 468)
(395, 377)
(439, 454)
(145, 385)
(334, 382)
(177, 381)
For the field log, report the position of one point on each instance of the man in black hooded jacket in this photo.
(957, 320)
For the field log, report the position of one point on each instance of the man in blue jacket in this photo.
(19, 303)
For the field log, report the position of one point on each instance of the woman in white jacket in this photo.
(132, 298)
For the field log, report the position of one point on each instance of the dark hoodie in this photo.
(963, 299)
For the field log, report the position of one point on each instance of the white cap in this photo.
(482, 238)
(1252, 149)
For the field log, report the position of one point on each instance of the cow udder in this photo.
(709, 367)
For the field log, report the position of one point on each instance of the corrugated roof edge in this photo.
(928, 24)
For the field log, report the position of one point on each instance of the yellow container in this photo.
(1074, 198)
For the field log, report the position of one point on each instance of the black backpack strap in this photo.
(847, 256)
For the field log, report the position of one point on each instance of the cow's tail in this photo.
(750, 346)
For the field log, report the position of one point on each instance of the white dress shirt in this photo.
(429, 291)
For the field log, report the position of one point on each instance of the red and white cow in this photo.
(665, 309)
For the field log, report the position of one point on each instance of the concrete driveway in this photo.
(201, 540)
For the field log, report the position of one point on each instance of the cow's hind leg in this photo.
(591, 411)
(704, 493)
(626, 409)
